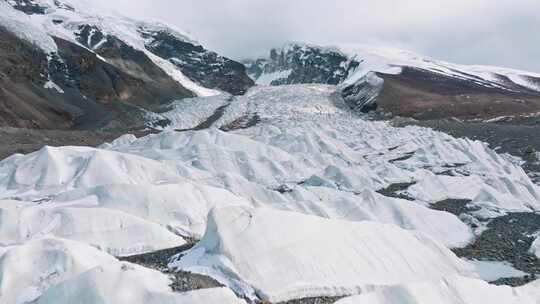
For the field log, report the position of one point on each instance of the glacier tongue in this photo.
(300, 198)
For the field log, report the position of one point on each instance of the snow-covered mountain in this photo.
(401, 82)
(67, 64)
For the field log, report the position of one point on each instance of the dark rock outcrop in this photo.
(28, 7)
(203, 66)
(304, 64)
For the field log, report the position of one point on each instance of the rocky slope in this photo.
(66, 64)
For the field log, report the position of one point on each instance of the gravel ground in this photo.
(454, 206)
(507, 238)
(157, 260)
(319, 300)
(15, 140)
(396, 190)
(181, 281)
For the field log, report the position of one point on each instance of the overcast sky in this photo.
(494, 32)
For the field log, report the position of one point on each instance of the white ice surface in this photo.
(491, 271)
(316, 257)
(450, 290)
(57, 271)
(267, 78)
(115, 232)
(28, 270)
(122, 282)
(188, 113)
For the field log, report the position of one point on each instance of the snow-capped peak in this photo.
(66, 18)
(356, 61)
(386, 60)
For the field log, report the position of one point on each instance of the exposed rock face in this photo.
(296, 64)
(24, 102)
(28, 6)
(138, 79)
(363, 95)
(197, 63)
(83, 91)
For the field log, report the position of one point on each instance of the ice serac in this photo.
(28, 270)
(450, 290)
(118, 233)
(308, 198)
(535, 247)
(182, 207)
(53, 169)
(53, 270)
(287, 255)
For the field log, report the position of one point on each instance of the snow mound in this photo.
(182, 207)
(51, 170)
(451, 290)
(122, 282)
(52, 270)
(28, 270)
(115, 232)
(325, 140)
(287, 255)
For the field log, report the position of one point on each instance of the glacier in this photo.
(288, 207)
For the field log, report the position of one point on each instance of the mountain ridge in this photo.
(115, 64)
(411, 85)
